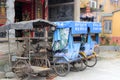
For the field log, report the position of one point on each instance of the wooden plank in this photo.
(23, 38)
(21, 67)
(37, 69)
(22, 57)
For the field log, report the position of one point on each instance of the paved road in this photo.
(106, 69)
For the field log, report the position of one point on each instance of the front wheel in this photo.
(61, 66)
(91, 60)
(22, 69)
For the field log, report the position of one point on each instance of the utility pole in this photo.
(97, 10)
(10, 14)
(76, 10)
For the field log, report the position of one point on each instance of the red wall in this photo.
(27, 7)
(1, 24)
(115, 40)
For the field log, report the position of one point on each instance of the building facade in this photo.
(24, 10)
(89, 7)
(115, 32)
(110, 22)
(29, 9)
(2, 12)
(63, 10)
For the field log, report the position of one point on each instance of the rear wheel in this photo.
(61, 67)
(78, 66)
(91, 61)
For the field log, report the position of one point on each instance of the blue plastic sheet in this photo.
(79, 28)
(60, 38)
(64, 24)
(95, 27)
(56, 35)
(89, 40)
(65, 30)
(76, 27)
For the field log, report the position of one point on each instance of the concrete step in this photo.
(2, 74)
(9, 75)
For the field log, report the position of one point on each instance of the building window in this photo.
(93, 4)
(2, 7)
(115, 2)
(101, 7)
(108, 26)
(61, 10)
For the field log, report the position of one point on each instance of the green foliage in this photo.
(106, 39)
(114, 44)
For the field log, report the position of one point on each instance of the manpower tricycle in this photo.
(35, 57)
(75, 43)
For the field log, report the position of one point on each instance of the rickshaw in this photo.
(35, 57)
(90, 46)
(72, 45)
(66, 48)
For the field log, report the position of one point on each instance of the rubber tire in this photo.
(91, 65)
(83, 67)
(80, 66)
(57, 71)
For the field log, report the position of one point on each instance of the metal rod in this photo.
(17, 43)
(9, 49)
(29, 47)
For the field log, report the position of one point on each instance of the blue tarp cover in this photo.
(95, 27)
(76, 27)
(60, 38)
(64, 24)
(64, 29)
(79, 28)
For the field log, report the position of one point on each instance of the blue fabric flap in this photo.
(56, 35)
(60, 39)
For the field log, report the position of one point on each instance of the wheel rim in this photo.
(61, 69)
(78, 66)
(91, 62)
(83, 66)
